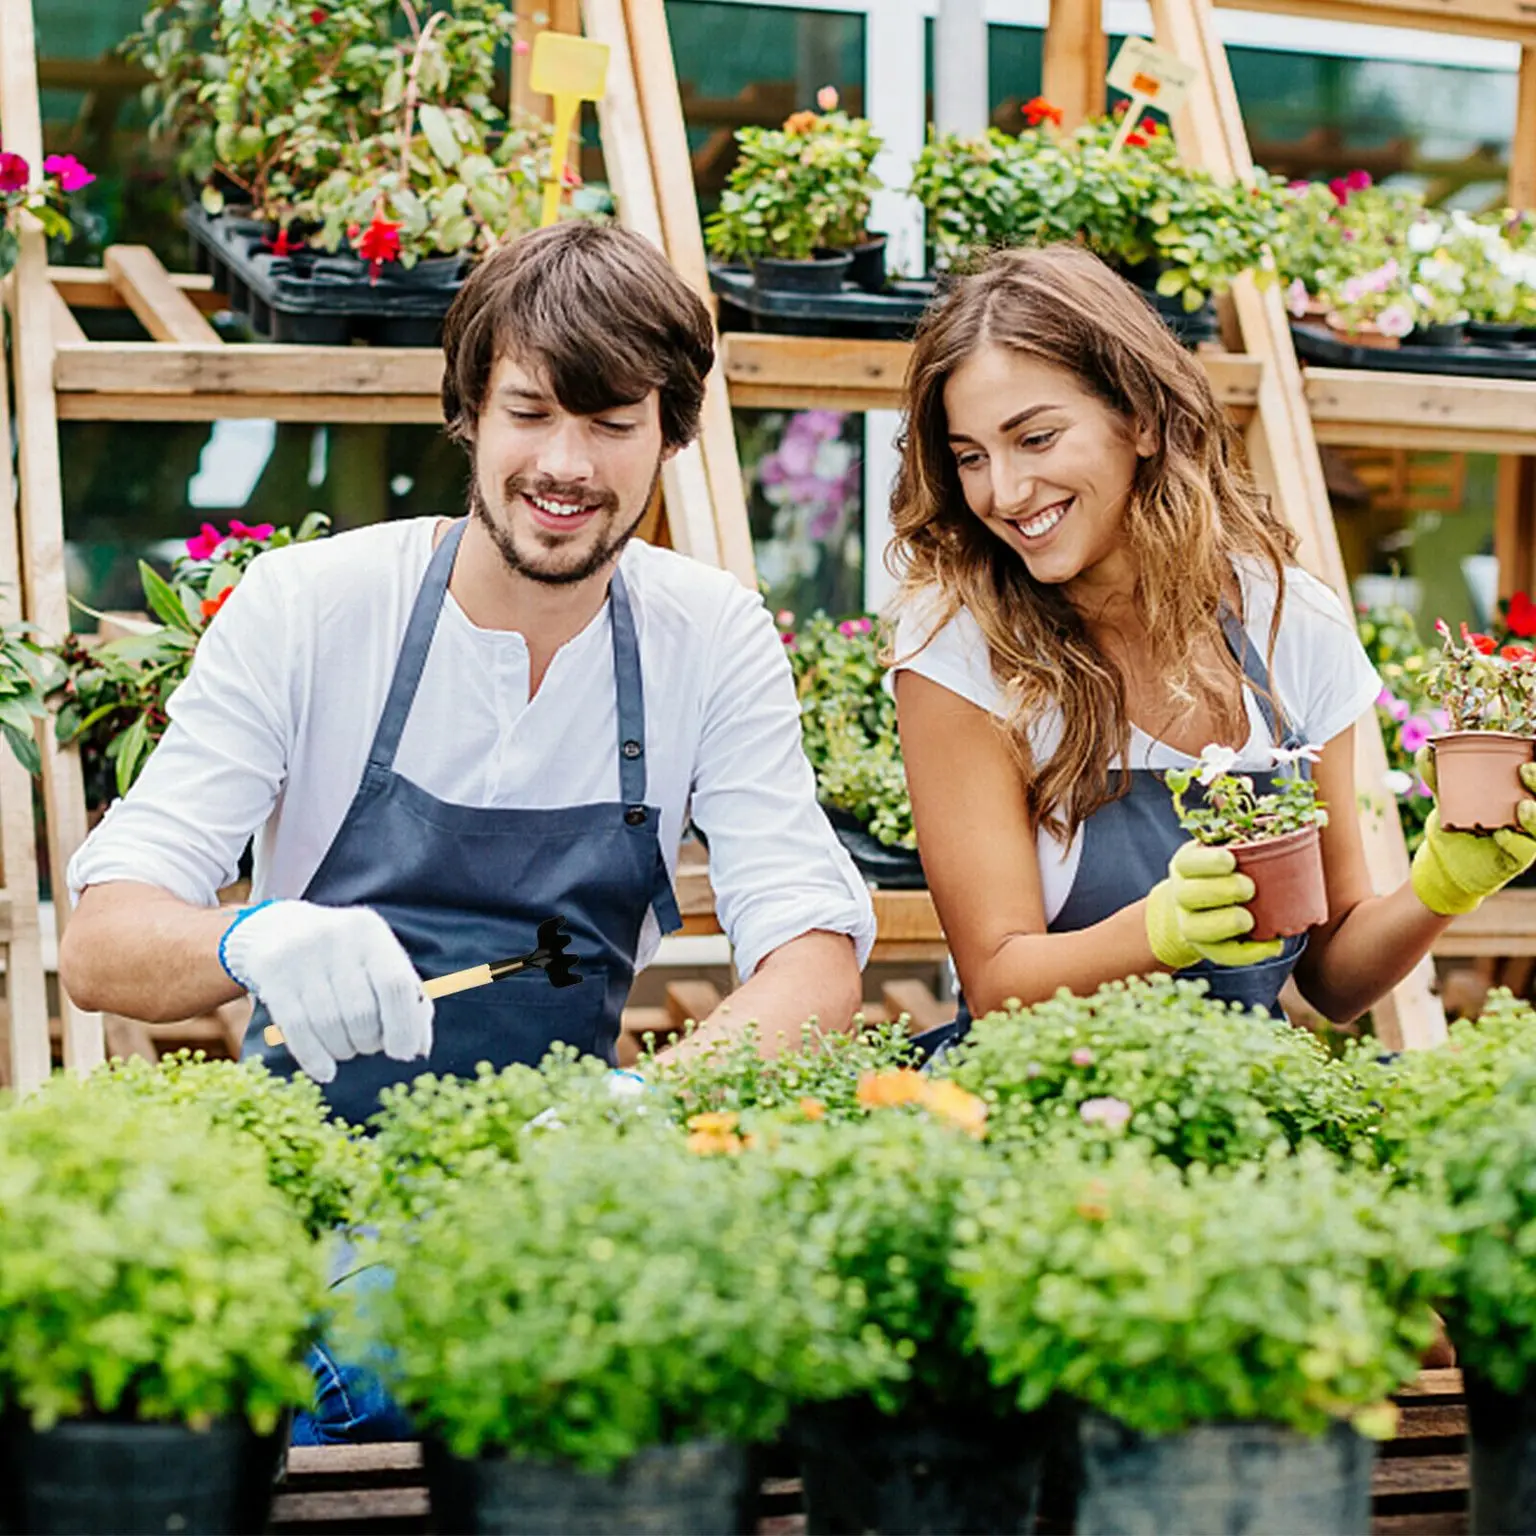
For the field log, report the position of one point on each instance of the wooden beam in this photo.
(332, 410)
(1420, 410)
(1076, 61)
(1514, 524)
(41, 497)
(91, 288)
(149, 367)
(160, 306)
(66, 329)
(622, 124)
(1283, 451)
(1510, 20)
(1522, 154)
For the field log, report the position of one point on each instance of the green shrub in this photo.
(319, 1165)
(148, 1268)
(1158, 1061)
(1291, 1292)
(612, 1292)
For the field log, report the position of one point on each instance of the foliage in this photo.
(848, 723)
(45, 197)
(1155, 1060)
(797, 188)
(148, 1268)
(1403, 710)
(111, 698)
(1482, 686)
(28, 672)
(969, 192)
(1229, 810)
(1290, 1292)
(318, 1165)
(607, 1295)
(733, 1075)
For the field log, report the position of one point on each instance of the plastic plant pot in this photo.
(1436, 336)
(1477, 774)
(1494, 333)
(867, 269)
(1502, 1441)
(1290, 894)
(660, 1492)
(818, 274)
(1223, 1480)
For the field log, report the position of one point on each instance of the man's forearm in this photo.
(137, 950)
(814, 976)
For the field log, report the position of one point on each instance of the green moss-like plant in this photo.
(148, 1269)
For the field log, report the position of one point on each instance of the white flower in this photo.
(1398, 783)
(1306, 753)
(1423, 236)
(1111, 1112)
(1216, 760)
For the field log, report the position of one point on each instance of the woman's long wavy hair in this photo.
(1193, 507)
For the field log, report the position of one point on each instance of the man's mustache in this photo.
(556, 490)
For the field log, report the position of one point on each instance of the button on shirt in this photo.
(270, 732)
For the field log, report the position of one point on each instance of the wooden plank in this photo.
(1514, 524)
(260, 368)
(1432, 1421)
(1076, 61)
(374, 410)
(1419, 1475)
(366, 1509)
(159, 305)
(41, 493)
(1419, 410)
(1441, 1522)
(1504, 925)
(1283, 452)
(622, 124)
(91, 288)
(690, 1002)
(1522, 154)
(1438, 1382)
(913, 999)
(66, 329)
(333, 1462)
(1511, 20)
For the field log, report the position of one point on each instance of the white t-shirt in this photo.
(1321, 672)
(270, 732)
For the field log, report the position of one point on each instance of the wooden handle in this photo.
(439, 986)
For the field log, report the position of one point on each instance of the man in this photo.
(442, 734)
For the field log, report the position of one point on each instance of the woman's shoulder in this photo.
(1312, 613)
(944, 645)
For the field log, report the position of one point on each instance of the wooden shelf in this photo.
(1505, 924)
(1422, 411)
(1508, 20)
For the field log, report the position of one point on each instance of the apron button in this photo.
(635, 816)
(631, 749)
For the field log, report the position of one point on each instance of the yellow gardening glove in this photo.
(1197, 913)
(1453, 871)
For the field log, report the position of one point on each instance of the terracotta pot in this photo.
(1289, 892)
(1478, 774)
(1366, 334)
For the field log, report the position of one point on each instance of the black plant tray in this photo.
(888, 316)
(320, 299)
(1317, 344)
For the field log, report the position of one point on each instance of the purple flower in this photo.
(1414, 734)
(1111, 1112)
(1082, 1057)
(1399, 709)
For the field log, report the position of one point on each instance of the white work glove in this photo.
(335, 980)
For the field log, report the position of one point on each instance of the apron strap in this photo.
(630, 690)
(1240, 643)
(414, 648)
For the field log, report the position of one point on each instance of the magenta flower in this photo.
(203, 544)
(1441, 719)
(72, 175)
(788, 637)
(260, 532)
(1413, 735)
(1399, 709)
(15, 173)
(1111, 1112)
(1082, 1057)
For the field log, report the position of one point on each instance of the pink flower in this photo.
(72, 175)
(522, 46)
(203, 544)
(1111, 1112)
(1082, 1057)
(826, 98)
(1296, 298)
(15, 173)
(1441, 719)
(1395, 320)
(788, 637)
(1358, 181)
(260, 533)
(1414, 734)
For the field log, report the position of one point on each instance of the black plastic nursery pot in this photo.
(907, 1476)
(1502, 1440)
(890, 869)
(669, 1490)
(85, 1477)
(1223, 1480)
(1449, 335)
(822, 273)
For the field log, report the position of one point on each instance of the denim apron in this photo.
(1127, 844)
(464, 885)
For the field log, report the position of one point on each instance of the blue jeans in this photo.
(351, 1404)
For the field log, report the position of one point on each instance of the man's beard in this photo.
(607, 547)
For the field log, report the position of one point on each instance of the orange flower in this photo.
(211, 605)
(813, 1109)
(800, 122)
(883, 1090)
(708, 1143)
(1038, 110)
(719, 1122)
(826, 98)
(951, 1102)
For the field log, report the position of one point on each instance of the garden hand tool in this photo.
(572, 70)
(1197, 913)
(1453, 871)
(548, 956)
(337, 978)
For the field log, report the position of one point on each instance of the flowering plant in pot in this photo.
(1232, 1334)
(1479, 763)
(969, 192)
(1155, 1061)
(566, 1338)
(46, 197)
(843, 150)
(1274, 833)
(157, 1297)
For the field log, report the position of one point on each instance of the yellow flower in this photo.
(717, 1122)
(951, 1102)
(885, 1090)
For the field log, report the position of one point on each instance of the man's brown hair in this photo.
(598, 310)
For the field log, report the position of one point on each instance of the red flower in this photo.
(211, 605)
(317, 17)
(1149, 127)
(1486, 644)
(1517, 653)
(1038, 110)
(1521, 616)
(1136, 141)
(15, 173)
(570, 176)
(284, 244)
(379, 243)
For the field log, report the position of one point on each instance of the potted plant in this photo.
(1233, 1335)
(843, 149)
(1489, 694)
(848, 727)
(111, 698)
(1156, 1062)
(575, 1345)
(1275, 835)
(46, 197)
(157, 1297)
(793, 193)
(969, 193)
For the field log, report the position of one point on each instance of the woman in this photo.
(1094, 591)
